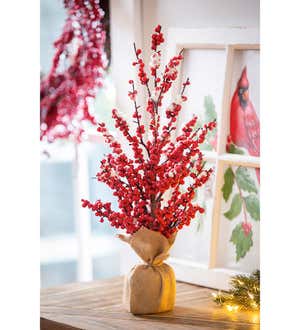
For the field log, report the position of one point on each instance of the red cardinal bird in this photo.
(244, 123)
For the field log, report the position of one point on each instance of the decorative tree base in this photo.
(149, 288)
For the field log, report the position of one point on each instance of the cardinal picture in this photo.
(244, 122)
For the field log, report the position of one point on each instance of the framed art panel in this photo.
(216, 60)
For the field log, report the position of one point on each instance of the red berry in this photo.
(158, 28)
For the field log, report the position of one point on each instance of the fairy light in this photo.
(250, 295)
(232, 308)
(255, 317)
(244, 294)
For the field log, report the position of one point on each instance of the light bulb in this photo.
(250, 295)
(232, 308)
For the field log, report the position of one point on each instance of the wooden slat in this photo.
(97, 305)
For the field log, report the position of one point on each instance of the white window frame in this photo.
(229, 40)
(81, 246)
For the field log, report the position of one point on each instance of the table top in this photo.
(98, 305)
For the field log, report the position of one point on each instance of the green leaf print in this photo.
(241, 241)
(233, 149)
(252, 206)
(228, 183)
(244, 180)
(235, 208)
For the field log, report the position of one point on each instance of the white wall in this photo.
(125, 26)
(134, 20)
(198, 14)
(201, 13)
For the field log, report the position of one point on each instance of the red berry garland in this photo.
(76, 72)
(158, 165)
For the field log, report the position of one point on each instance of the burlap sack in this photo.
(149, 287)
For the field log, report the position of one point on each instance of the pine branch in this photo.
(244, 294)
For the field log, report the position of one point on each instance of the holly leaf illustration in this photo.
(233, 149)
(228, 183)
(206, 146)
(241, 241)
(244, 180)
(235, 208)
(210, 109)
(253, 206)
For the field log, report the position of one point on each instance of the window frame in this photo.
(229, 39)
(82, 246)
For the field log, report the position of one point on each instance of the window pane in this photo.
(205, 68)
(99, 190)
(244, 122)
(106, 266)
(54, 274)
(52, 20)
(56, 193)
(193, 242)
(239, 224)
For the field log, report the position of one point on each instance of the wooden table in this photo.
(97, 305)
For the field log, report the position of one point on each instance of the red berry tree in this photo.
(76, 73)
(155, 188)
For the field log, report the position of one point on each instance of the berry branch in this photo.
(137, 116)
(142, 74)
(139, 184)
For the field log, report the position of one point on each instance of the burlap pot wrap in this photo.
(149, 287)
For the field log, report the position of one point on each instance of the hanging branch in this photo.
(76, 73)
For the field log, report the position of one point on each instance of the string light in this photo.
(255, 317)
(232, 308)
(244, 294)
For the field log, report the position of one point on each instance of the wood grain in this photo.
(97, 305)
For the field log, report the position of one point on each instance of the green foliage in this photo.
(250, 203)
(244, 292)
(106, 100)
(210, 114)
(241, 241)
(244, 180)
(233, 149)
(198, 217)
(228, 183)
(210, 109)
(206, 146)
(235, 208)
(253, 207)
